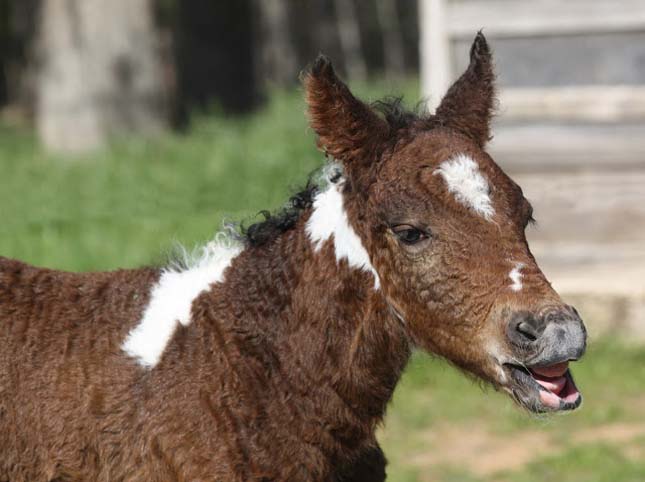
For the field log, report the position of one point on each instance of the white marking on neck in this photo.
(465, 181)
(172, 297)
(330, 219)
(516, 277)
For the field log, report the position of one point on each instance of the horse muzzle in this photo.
(543, 344)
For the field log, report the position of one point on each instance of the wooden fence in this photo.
(442, 22)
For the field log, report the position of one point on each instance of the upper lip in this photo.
(543, 388)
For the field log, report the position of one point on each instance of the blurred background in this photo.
(130, 125)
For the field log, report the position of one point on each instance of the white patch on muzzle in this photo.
(465, 181)
(172, 297)
(330, 219)
(516, 277)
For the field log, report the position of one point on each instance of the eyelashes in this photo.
(409, 235)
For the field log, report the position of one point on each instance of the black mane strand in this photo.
(395, 113)
(274, 224)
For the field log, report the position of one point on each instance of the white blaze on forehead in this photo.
(516, 277)
(171, 301)
(465, 181)
(330, 219)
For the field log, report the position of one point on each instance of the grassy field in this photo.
(442, 426)
(128, 205)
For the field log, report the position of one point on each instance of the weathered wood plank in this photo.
(550, 147)
(610, 103)
(521, 18)
(434, 48)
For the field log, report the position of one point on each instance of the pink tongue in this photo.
(554, 385)
(557, 389)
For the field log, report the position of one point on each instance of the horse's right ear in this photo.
(468, 105)
(348, 129)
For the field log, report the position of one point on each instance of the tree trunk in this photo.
(278, 56)
(99, 73)
(214, 56)
(393, 51)
(350, 39)
(5, 39)
(18, 19)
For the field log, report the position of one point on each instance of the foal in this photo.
(274, 357)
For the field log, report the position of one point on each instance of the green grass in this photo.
(436, 409)
(589, 463)
(127, 205)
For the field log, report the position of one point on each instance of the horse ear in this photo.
(469, 103)
(348, 129)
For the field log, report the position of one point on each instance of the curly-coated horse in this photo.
(273, 355)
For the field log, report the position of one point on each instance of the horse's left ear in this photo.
(468, 105)
(348, 129)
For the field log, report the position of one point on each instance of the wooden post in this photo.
(350, 39)
(99, 73)
(277, 49)
(393, 49)
(433, 49)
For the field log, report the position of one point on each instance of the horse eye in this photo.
(409, 234)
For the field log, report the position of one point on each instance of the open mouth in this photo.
(544, 389)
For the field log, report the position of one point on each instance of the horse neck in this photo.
(328, 326)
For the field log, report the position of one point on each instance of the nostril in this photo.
(524, 328)
(527, 331)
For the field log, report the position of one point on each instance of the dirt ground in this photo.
(482, 452)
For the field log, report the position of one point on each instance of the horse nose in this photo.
(558, 334)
